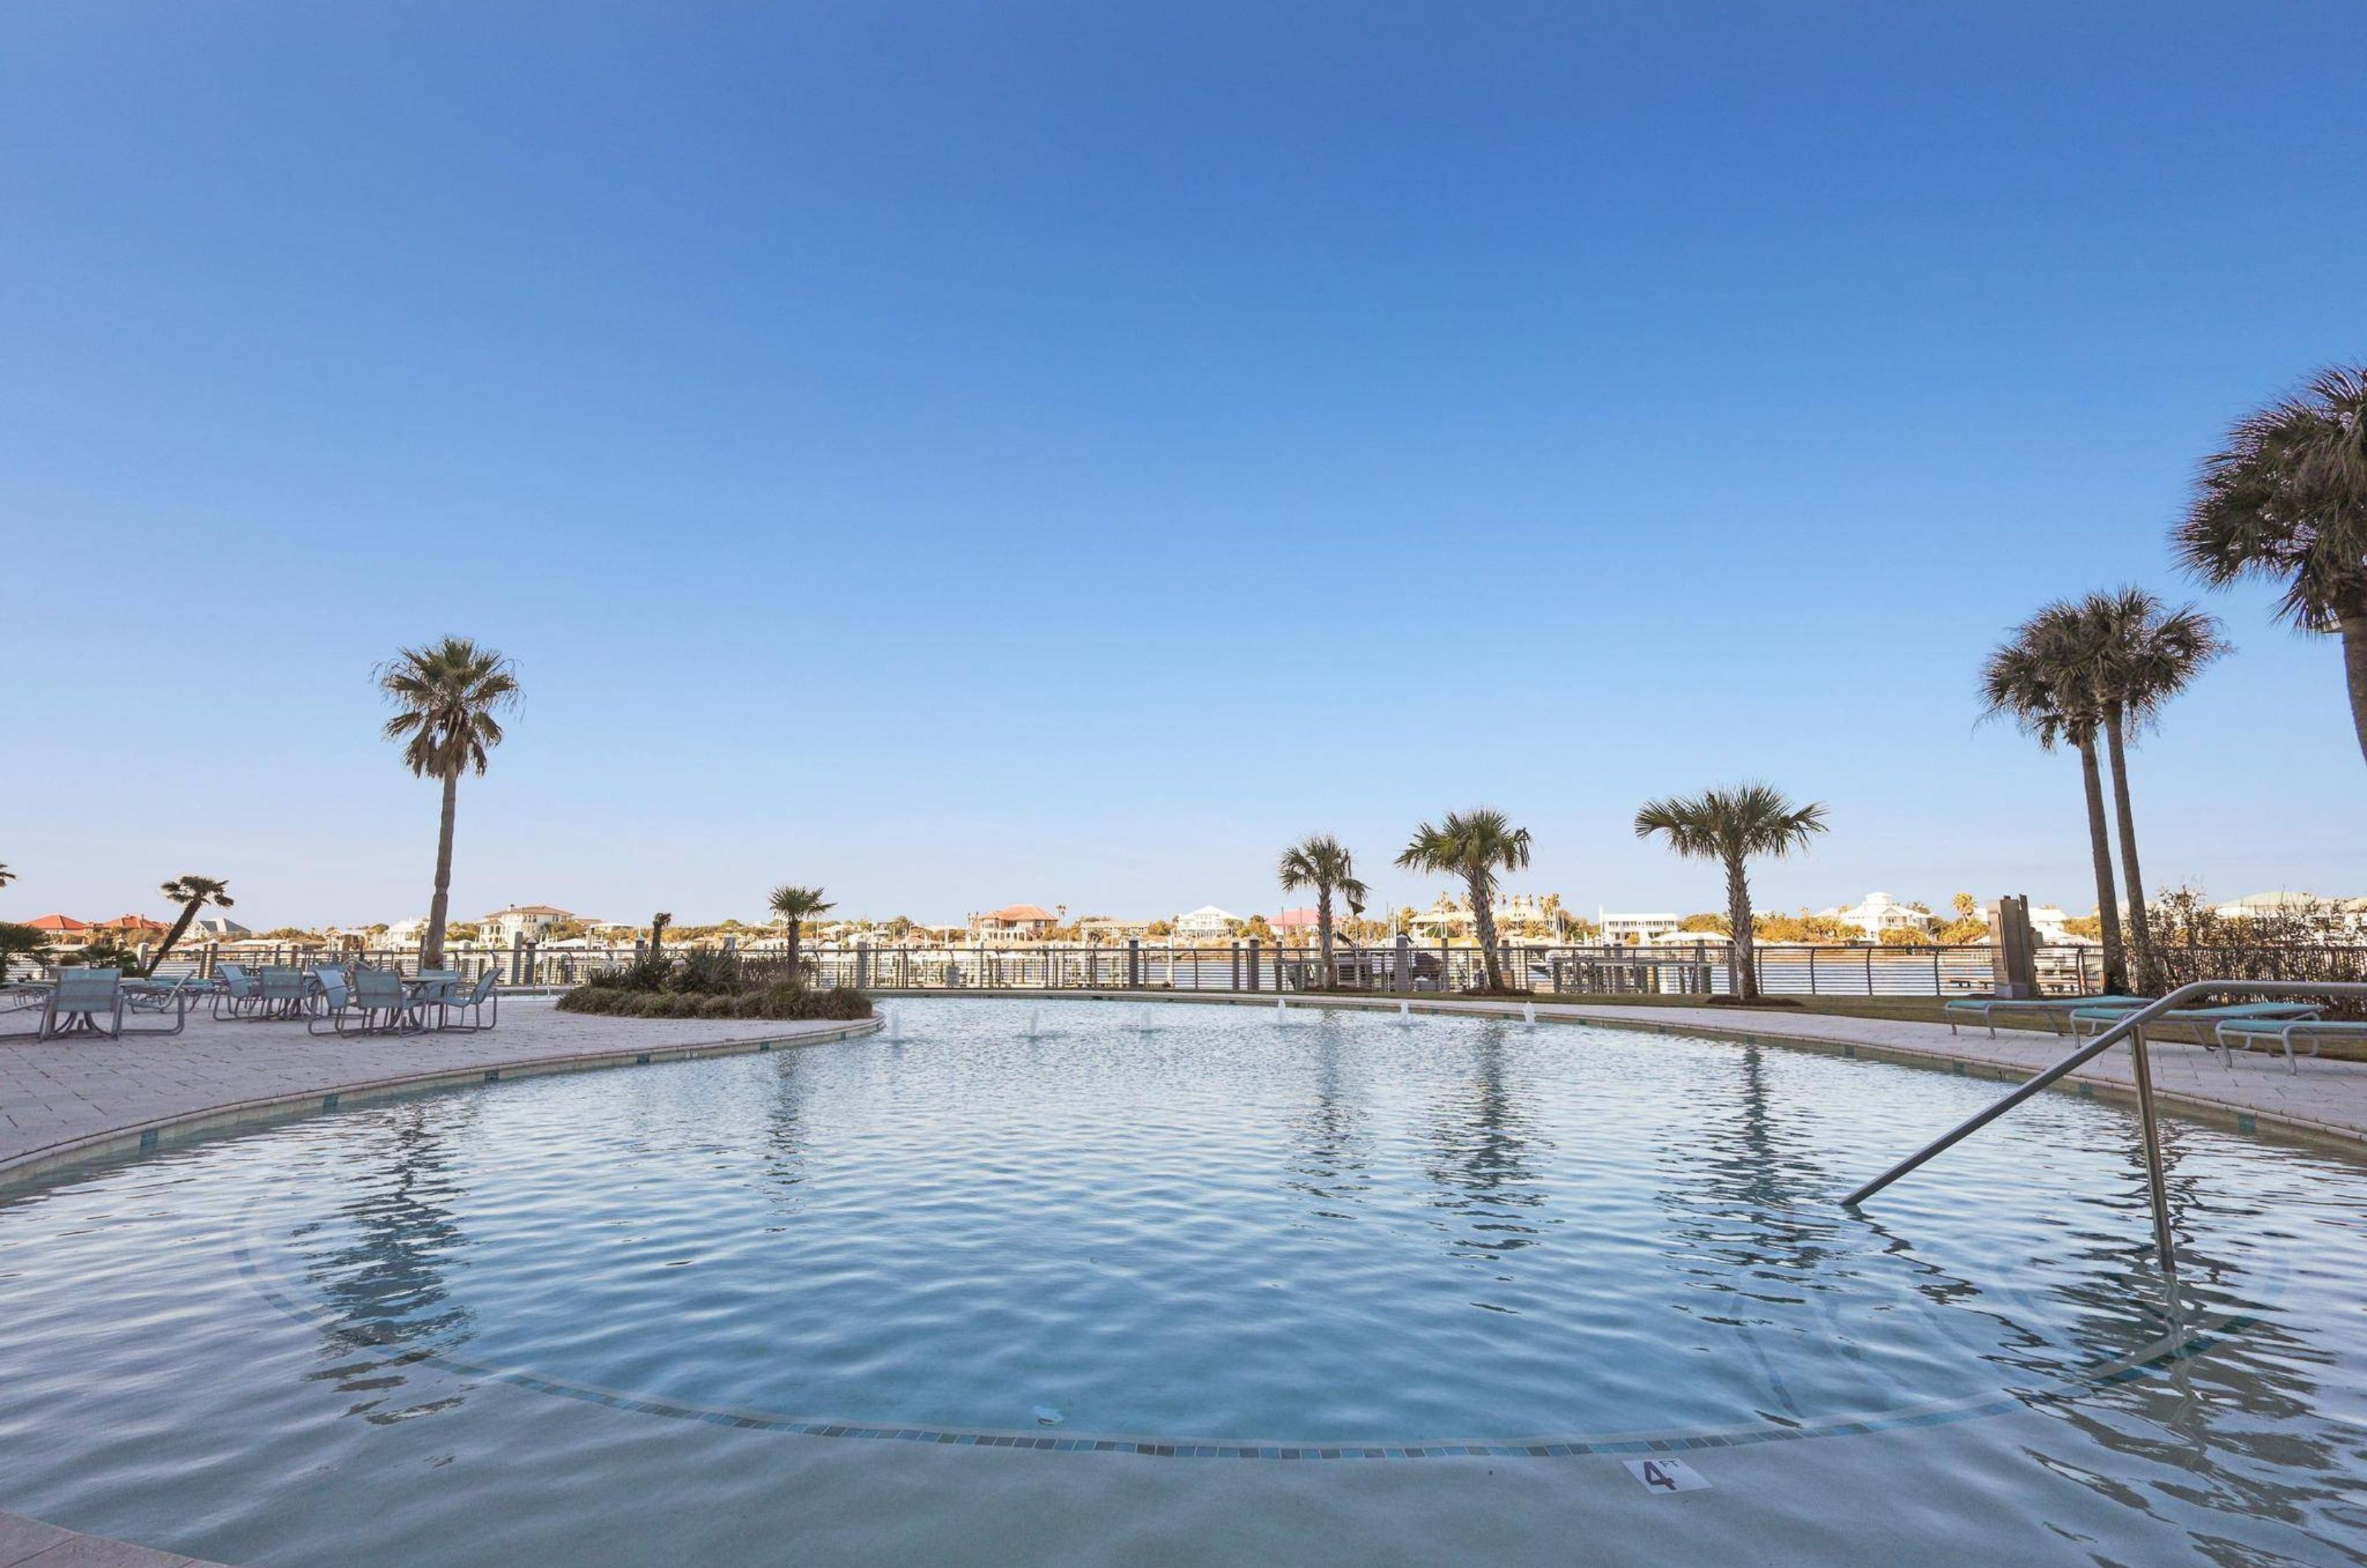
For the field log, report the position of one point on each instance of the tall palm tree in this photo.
(2287, 498)
(193, 893)
(796, 905)
(6, 876)
(1473, 845)
(446, 694)
(1731, 826)
(1323, 862)
(2030, 680)
(2137, 653)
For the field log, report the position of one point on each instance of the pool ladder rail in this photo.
(2131, 1028)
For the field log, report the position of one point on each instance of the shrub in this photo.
(839, 1004)
(706, 970)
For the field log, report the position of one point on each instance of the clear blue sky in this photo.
(1062, 452)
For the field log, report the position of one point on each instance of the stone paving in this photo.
(61, 1098)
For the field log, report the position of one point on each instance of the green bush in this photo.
(783, 1002)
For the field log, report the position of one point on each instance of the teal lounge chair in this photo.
(2095, 1020)
(2243, 1033)
(2054, 1012)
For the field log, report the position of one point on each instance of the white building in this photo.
(532, 921)
(1640, 930)
(1207, 923)
(1879, 913)
(2350, 912)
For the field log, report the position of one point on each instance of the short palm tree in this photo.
(446, 694)
(658, 923)
(2031, 680)
(797, 906)
(2287, 499)
(193, 893)
(2137, 653)
(1473, 845)
(20, 941)
(1731, 826)
(1323, 862)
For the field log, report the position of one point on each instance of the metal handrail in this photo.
(2131, 1028)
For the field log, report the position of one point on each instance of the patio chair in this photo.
(2047, 1008)
(2243, 1033)
(485, 993)
(2096, 1020)
(237, 991)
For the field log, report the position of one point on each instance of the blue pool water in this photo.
(1333, 1233)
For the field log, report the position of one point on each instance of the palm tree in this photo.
(796, 905)
(2033, 680)
(658, 924)
(1323, 862)
(446, 695)
(6, 876)
(193, 893)
(2135, 654)
(1731, 826)
(2287, 499)
(1473, 845)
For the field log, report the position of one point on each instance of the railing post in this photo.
(1134, 964)
(533, 963)
(1812, 971)
(1869, 971)
(1253, 963)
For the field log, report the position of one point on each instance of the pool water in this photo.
(1323, 1237)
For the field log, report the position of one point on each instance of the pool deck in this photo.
(64, 1101)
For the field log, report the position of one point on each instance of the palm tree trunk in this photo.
(1744, 982)
(795, 932)
(431, 946)
(180, 928)
(1483, 919)
(2354, 670)
(2100, 850)
(2148, 976)
(1323, 933)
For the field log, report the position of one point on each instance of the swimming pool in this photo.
(1195, 1279)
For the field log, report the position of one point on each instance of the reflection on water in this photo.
(1337, 1229)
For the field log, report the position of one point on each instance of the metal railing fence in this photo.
(1399, 967)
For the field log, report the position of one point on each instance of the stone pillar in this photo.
(1253, 963)
(1401, 971)
(517, 958)
(862, 966)
(2013, 962)
(1134, 964)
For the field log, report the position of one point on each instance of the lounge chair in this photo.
(2096, 1020)
(485, 993)
(2243, 1033)
(2049, 1009)
(167, 985)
